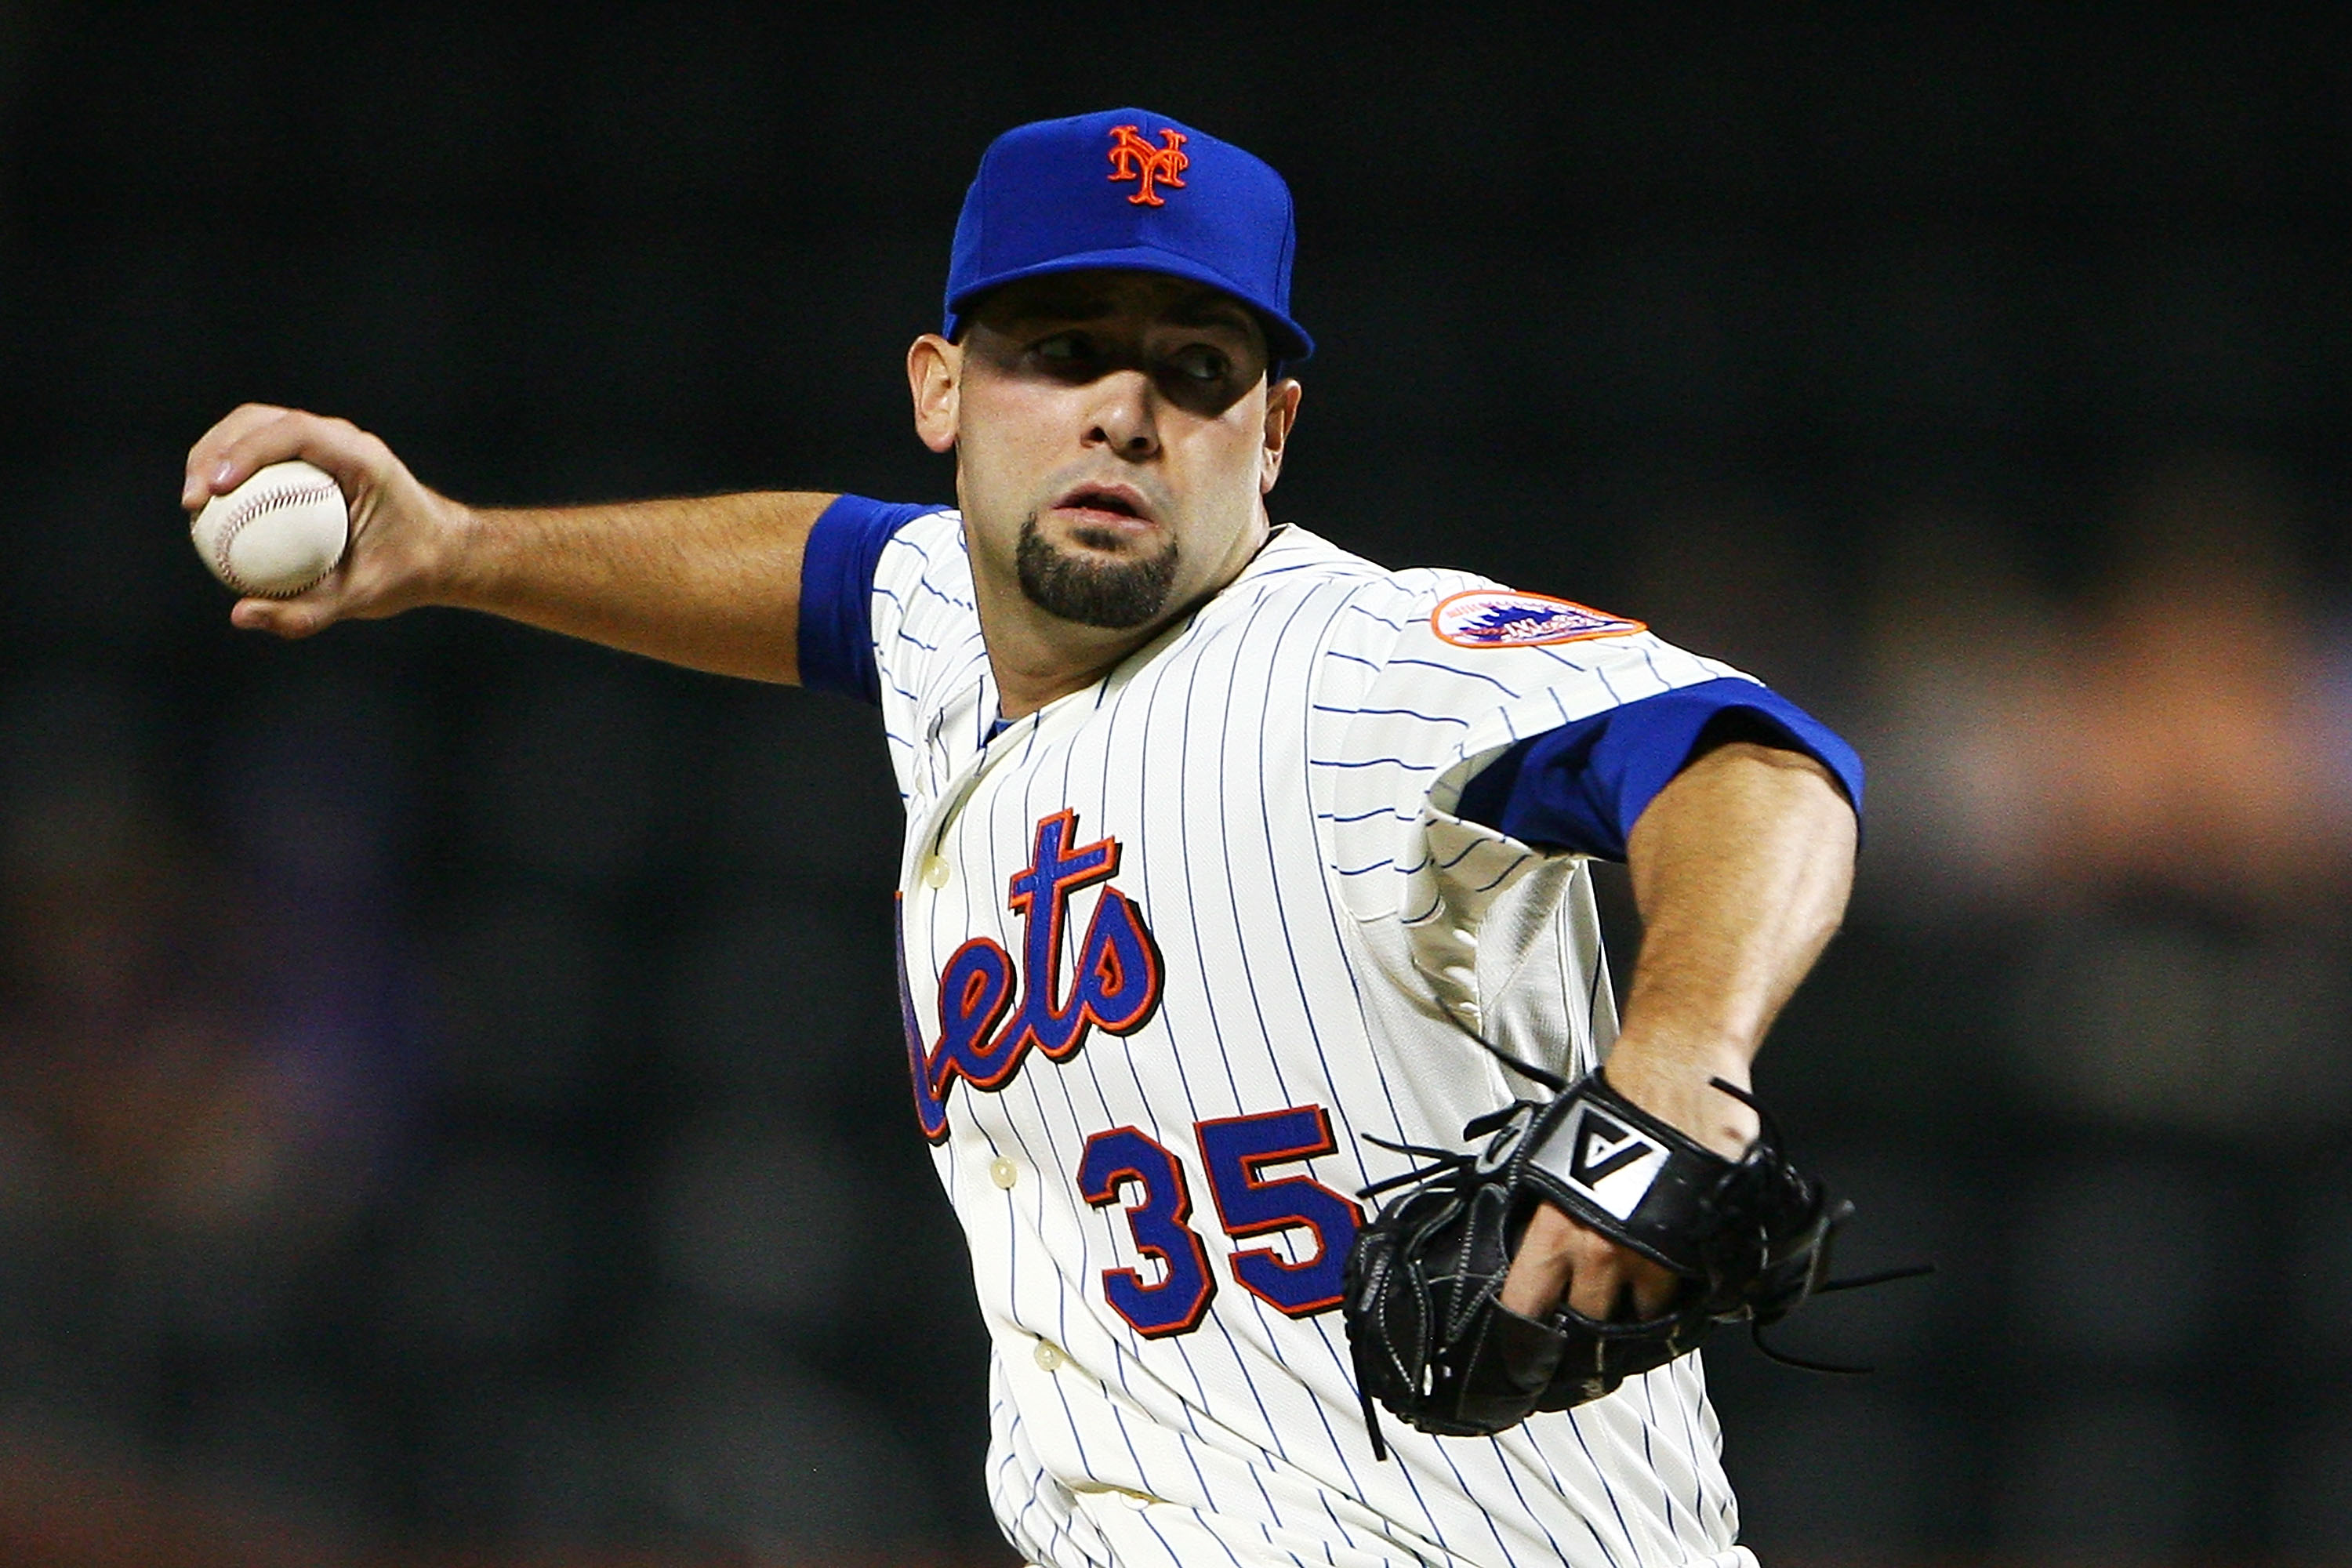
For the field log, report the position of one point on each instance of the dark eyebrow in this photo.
(1208, 310)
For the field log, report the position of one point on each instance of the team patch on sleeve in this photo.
(1496, 618)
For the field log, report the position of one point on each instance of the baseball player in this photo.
(1225, 848)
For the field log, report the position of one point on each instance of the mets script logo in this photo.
(1133, 158)
(983, 1037)
(1491, 617)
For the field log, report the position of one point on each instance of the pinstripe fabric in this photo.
(1276, 772)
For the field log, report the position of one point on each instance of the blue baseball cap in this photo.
(1133, 191)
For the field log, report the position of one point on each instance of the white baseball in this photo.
(276, 534)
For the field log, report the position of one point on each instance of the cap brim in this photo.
(1287, 339)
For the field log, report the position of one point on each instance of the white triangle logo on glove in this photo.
(1609, 1162)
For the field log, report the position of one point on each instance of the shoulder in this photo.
(1441, 666)
(1420, 624)
(926, 635)
(1300, 572)
(861, 549)
(924, 540)
(921, 568)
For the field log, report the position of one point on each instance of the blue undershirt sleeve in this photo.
(837, 565)
(1582, 786)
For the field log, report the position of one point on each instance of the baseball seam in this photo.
(260, 506)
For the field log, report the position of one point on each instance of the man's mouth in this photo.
(1105, 506)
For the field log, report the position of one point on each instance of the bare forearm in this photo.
(713, 582)
(1741, 867)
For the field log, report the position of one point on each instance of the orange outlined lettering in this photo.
(1133, 158)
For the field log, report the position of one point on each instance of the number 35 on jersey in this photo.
(993, 1012)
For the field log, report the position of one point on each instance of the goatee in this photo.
(1113, 594)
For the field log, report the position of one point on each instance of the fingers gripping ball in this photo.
(276, 534)
(1749, 1238)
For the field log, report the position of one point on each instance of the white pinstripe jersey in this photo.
(1173, 945)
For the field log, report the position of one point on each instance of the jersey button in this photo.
(1004, 1173)
(935, 872)
(1049, 1356)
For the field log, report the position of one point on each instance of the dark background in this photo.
(450, 1099)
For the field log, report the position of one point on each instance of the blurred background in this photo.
(450, 1099)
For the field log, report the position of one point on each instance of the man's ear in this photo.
(1281, 413)
(935, 376)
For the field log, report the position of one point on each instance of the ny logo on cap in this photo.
(1133, 158)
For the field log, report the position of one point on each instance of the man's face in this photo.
(1114, 432)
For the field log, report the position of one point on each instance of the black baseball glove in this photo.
(1747, 1239)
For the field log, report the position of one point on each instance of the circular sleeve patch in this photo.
(1496, 618)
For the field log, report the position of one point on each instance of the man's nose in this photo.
(1126, 413)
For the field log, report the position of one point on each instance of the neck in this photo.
(1039, 658)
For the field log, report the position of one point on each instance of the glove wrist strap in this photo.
(1629, 1175)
